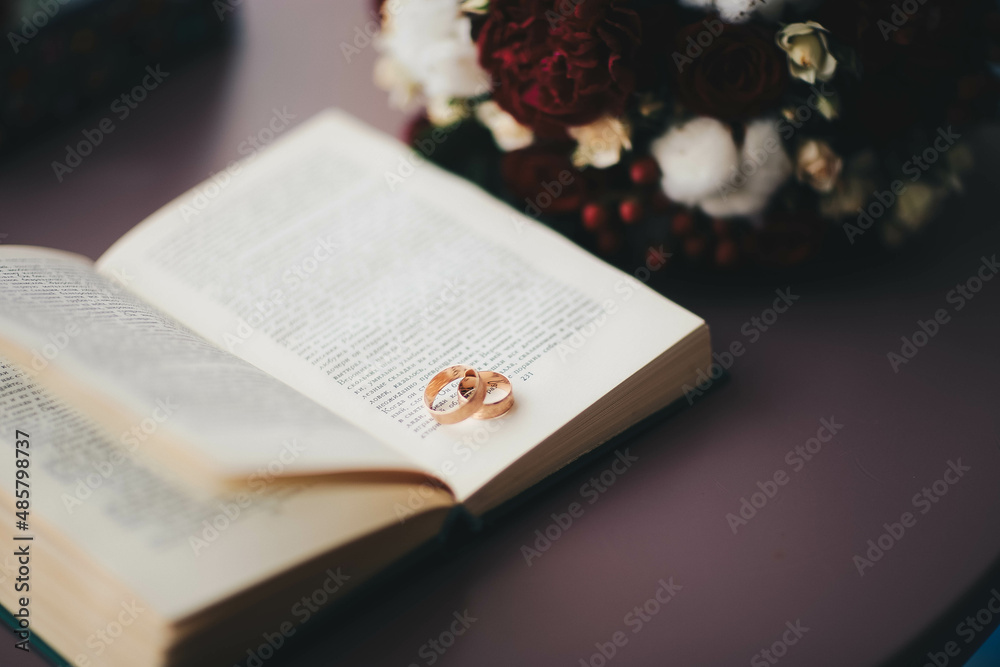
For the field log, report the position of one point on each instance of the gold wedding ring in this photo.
(495, 382)
(465, 409)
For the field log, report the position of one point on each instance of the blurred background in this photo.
(228, 66)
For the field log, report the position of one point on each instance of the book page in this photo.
(177, 547)
(342, 264)
(77, 328)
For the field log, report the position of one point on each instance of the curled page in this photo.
(75, 330)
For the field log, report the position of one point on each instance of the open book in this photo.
(221, 424)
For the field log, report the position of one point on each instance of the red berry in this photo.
(683, 224)
(656, 259)
(594, 216)
(644, 171)
(694, 246)
(725, 253)
(630, 211)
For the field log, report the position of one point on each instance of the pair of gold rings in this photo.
(473, 388)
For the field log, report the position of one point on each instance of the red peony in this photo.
(559, 63)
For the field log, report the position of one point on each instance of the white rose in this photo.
(507, 132)
(601, 143)
(818, 166)
(809, 57)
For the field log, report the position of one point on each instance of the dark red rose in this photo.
(741, 73)
(559, 63)
(543, 180)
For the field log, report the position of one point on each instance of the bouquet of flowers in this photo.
(734, 133)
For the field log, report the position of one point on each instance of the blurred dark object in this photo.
(64, 57)
(678, 241)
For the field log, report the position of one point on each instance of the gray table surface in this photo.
(792, 563)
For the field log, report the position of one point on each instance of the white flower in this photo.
(853, 189)
(444, 111)
(738, 11)
(818, 166)
(809, 57)
(507, 132)
(918, 204)
(392, 76)
(959, 162)
(427, 47)
(702, 166)
(763, 167)
(601, 143)
(695, 159)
